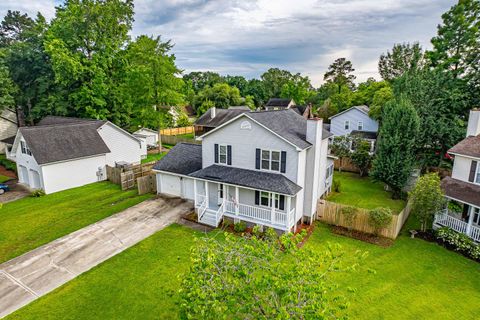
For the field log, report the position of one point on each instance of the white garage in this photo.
(170, 184)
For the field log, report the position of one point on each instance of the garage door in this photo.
(24, 175)
(35, 179)
(171, 185)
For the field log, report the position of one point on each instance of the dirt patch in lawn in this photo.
(362, 236)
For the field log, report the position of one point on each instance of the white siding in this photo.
(461, 168)
(337, 124)
(244, 142)
(302, 164)
(151, 138)
(123, 146)
(169, 184)
(74, 173)
(188, 189)
(324, 163)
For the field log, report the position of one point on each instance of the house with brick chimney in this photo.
(463, 187)
(266, 168)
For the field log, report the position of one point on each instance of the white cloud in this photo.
(46, 7)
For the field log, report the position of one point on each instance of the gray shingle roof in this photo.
(469, 146)
(461, 190)
(254, 179)
(286, 123)
(56, 120)
(278, 102)
(221, 116)
(184, 158)
(60, 142)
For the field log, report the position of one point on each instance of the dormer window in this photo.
(25, 149)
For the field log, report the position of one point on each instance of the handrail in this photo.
(202, 211)
(444, 219)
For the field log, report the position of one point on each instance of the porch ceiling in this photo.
(461, 190)
(254, 179)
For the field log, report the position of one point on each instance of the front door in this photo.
(476, 215)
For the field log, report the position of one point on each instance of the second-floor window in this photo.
(477, 176)
(271, 160)
(347, 125)
(223, 154)
(360, 125)
(25, 149)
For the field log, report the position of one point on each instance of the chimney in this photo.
(314, 130)
(213, 112)
(473, 128)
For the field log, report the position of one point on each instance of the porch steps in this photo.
(209, 218)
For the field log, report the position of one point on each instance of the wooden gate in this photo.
(127, 180)
(147, 184)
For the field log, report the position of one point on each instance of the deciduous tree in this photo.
(405, 57)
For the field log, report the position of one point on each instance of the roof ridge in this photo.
(62, 124)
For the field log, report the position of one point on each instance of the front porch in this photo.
(214, 201)
(455, 221)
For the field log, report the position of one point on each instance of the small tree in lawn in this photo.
(361, 156)
(379, 218)
(395, 156)
(427, 198)
(248, 278)
(341, 148)
(349, 215)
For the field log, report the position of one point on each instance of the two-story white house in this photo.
(355, 121)
(463, 186)
(62, 153)
(268, 168)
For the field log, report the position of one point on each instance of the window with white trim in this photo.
(476, 215)
(329, 171)
(222, 154)
(360, 125)
(477, 175)
(267, 198)
(347, 125)
(25, 149)
(270, 160)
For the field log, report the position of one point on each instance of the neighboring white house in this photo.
(268, 168)
(149, 136)
(463, 186)
(62, 153)
(8, 128)
(355, 121)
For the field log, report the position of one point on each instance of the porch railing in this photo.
(442, 218)
(260, 214)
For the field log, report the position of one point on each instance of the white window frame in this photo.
(220, 193)
(330, 171)
(270, 160)
(360, 125)
(476, 178)
(24, 148)
(476, 215)
(346, 125)
(220, 154)
(270, 196)
(262, 193)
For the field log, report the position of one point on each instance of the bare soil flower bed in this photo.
(362, 236)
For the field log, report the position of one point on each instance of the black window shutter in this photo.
(257, 197)
(216, 153)
(257, 159)
(229, 155)
(473, 168)
(283, 164)
(281, 205)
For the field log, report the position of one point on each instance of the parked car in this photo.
(4, 188)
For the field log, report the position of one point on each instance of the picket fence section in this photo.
(177, 131)
(330, 212)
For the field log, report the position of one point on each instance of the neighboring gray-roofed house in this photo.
(356, 118)
(215, 117)
(279, 103)
(62, 153)
(268, 168)
(463, 187)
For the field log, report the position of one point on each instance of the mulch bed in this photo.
(192, 216)
(7, 173)
(362, 236)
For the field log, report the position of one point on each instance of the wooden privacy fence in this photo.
(147, 184)
(330, 212)
(346, 165)
(173, 140)
(177, 131)
(127, 178)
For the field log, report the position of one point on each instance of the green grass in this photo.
(187, 135)
(4, 178)
(363, 193)
(28, 223)
(414, 279)
(153, 157)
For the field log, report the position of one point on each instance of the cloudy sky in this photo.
(247, 37)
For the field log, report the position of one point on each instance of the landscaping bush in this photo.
(458, 242)
(427, 199)
(379, 218)
(257, 231)
(37, 193)
(9, 165)
(336, 185)
(349, 214)
(240, 226)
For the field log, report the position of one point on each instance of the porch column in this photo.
(289, 204)
(470, 220)
(225, 195)
(237, 200)
(206, 194)
(272, 203)
(195, 192)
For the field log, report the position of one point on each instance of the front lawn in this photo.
(190, 135)
(363, 193)
(28, 223)
(413, 279)
(4, 178)
(153, 157)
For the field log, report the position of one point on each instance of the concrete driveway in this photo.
(17, 191)
(27, 277)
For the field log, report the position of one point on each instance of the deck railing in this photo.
(442, 218)
(261, 214)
